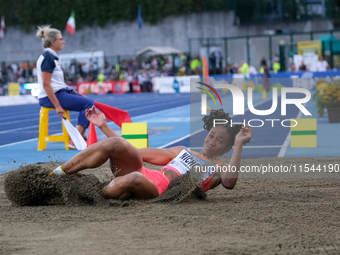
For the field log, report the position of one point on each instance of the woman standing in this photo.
(266, 74)
(54, 92)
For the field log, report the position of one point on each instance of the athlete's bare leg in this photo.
(123, 157)
(135, 184)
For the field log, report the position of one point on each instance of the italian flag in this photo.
(2, 28)
(71, 24)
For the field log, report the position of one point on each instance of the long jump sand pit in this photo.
(274, 215)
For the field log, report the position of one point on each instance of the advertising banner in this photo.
(114, 87)
(13, 89)
(173, 84)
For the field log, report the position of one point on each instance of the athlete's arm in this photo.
(150, 155)
(98, 119)
(229, 178)
(160, 156)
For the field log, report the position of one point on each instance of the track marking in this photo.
(29, 119)
(29, 127)
(30, 140)
(248, 147)
(286, 142)
(180, 139)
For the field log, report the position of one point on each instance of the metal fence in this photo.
(253, 48)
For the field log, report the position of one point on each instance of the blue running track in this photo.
(170, 123)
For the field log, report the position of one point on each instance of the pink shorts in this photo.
(160, 180)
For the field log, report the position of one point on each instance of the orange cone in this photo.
(92, 137)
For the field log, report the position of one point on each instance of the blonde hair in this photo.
(47, 35)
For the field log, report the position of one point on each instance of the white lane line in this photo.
(36, 116)
(10, 144)
(180, 139)
(51, 123)
(27, 119)
(186, 136)
(29, 127)
(248, 147)
(286, 142)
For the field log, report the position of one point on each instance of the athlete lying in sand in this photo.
(133, 179)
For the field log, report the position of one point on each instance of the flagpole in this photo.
(139, 17)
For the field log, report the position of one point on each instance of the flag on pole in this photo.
(118, 116)
(139, 17)
(71, 24)
(2, 28)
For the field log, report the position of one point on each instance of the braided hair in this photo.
(220, 114)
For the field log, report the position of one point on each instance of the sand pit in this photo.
(32, 186)
(259, 216)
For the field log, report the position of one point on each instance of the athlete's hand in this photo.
(244, 135)
(96, 117)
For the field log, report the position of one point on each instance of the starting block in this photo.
(303, 135)
(136, 134)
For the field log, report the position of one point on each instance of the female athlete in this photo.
(134, 180)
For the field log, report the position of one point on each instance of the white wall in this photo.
(124, 38)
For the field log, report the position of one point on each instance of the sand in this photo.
(278, 215)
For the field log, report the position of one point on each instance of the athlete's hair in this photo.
(220, 114)
(47, 35)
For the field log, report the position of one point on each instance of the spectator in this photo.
(291, 67)
(14, 67)
(129, 78)
(79, 78)
(184, 59)
(167, 67)
(195, 65)
(34, 72)
(154, 64)
(85, 67)
(302, 67)
(212, 61)
(276, 65)
(146, 82)
(178, 62)
(54, 93)
(219, 63)
(24, 69)
(266, 75)
(321, 65)
(231, 69)
(243, 68)
(101, 78)
(252, 69)
(140, 78)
